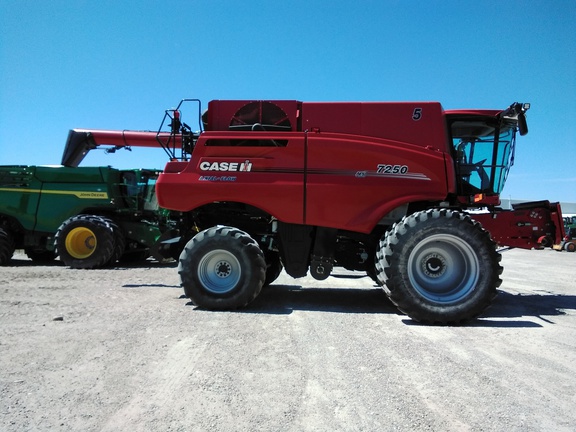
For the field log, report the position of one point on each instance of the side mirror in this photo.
(522, 125)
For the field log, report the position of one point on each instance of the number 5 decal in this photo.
(417, 114)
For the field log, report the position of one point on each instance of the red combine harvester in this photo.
(406, 192)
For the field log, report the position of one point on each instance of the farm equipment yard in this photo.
(299, 247)
(121, 349)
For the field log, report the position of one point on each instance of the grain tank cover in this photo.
(420, 123)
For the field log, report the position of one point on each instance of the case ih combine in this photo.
(390, 189)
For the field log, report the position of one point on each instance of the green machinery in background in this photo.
(88, 216)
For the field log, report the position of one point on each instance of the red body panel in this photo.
(270, 178)
(344, 165)
(352, 183)
(419, 123)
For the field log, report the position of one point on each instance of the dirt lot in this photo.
(121, 350)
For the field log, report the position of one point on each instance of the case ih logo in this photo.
(226, 166)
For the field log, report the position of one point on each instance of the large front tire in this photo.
(85, 242)
(439, 267)
(222, 268)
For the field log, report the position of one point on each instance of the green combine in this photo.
(90, 217)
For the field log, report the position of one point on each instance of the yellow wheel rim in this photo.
(81, 243)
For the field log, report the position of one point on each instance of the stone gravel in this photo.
(121, 349)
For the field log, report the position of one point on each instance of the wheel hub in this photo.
(219, 271)
(443, 268)
(434, 265)
(223, 269)
(80, 242)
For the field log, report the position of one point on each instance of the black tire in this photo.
(119, 241)
(570, 247)
(6, 246)
(222, 268)
(546, 241)
(40, 255)
(439, 267)
(373, 274)
(85, 242)
(273, 266)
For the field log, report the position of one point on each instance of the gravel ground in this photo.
(122, 350)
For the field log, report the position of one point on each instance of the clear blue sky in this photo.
(109, 64)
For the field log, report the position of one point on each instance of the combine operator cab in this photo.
(483, 150)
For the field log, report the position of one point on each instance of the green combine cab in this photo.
(569, 222)
(88, 216)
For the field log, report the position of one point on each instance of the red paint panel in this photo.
(419, 123)
(353, 183)
(273, 181)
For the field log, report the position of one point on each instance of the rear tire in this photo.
(439, 267)
(85, 242)
(222, 268)
(6, 246)
(570, 247)
(119, 241)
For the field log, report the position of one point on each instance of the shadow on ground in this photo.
(508, 310)
(541, 307)
(283, 299)
(150, 285)
(15, 262)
